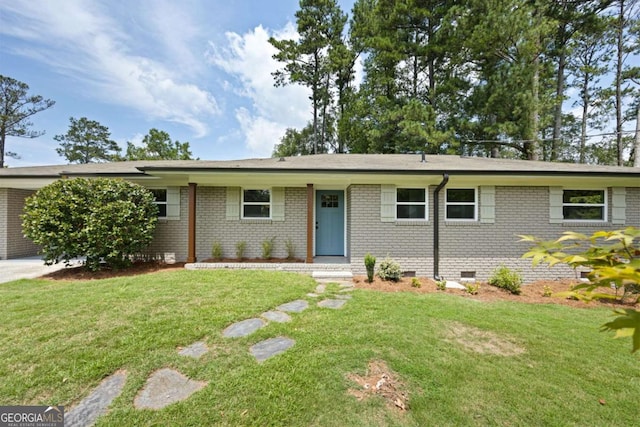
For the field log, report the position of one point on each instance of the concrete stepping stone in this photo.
(165, 387)
(296, 306)
(277, 316)
(345, 290)
(195, 350)
(320, 288)
(243, 328)
(454, 285)
(332, 303)
(313, 295)
(344, 297)
(271, 347)
(96, 404)
(346, 285)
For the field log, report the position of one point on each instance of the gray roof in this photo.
(353, 163)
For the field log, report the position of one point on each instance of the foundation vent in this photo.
(467, 276)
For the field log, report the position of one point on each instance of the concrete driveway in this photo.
(25, 268)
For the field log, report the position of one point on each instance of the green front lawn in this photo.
(60, 339)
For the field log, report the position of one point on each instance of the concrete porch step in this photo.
(332, 275)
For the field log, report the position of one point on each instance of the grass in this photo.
(62, 338)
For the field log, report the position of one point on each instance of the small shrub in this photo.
(291, 248)
(441, 285)
(472, 288)
(389, 270)
(507, 279)
(240, 248)
(546, 291)
(415, 283)
(216, 250)
(370, 265)
(267, 247)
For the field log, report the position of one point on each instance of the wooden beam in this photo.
(310, 224)
(191, 251)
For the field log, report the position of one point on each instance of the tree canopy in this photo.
(470, 77)
(16, 106)
(157, 145)
(87, 141)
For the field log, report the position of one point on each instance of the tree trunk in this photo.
(557, 125)
(532, 144)
(314, 95)
(636, 145)
(585, 113)
(2, 133)
(620, 58)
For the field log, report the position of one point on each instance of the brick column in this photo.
(191, 250)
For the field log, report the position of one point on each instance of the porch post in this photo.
(310, 225)
(191, 252)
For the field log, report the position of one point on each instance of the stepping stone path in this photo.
(277, 316)
(165, 387)
(243, 328)
(332, 303)
(297, 306)
(195, 350)
(271, 347)
(96, 404)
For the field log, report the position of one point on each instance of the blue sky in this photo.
(197, 69)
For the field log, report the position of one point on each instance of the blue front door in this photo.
(330, 222)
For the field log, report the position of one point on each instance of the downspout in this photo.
(436, 226)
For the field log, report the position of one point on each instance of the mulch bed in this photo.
(531, 292)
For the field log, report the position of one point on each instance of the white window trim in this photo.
(448, 203)
(165, 203)
(425, 204)
(243, 204)
(605, 205)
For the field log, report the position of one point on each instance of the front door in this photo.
(330, 222)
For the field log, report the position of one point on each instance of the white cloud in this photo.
(249, 59)
(87, 42)
(259, 132)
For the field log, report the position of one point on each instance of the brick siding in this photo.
(467, 246)
(212, 226)
(12, 243)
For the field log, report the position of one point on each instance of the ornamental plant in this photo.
(370, 265)
(103, 220)
(505, 278)
(267, 247)
(613, 258)
(389, 270)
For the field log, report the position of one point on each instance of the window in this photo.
(256, 204)
(411, 203)
(584, 205)
(161, 202)
(461, 204)
(329, 201)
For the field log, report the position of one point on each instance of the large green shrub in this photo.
(103, 220)
(505, 278)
